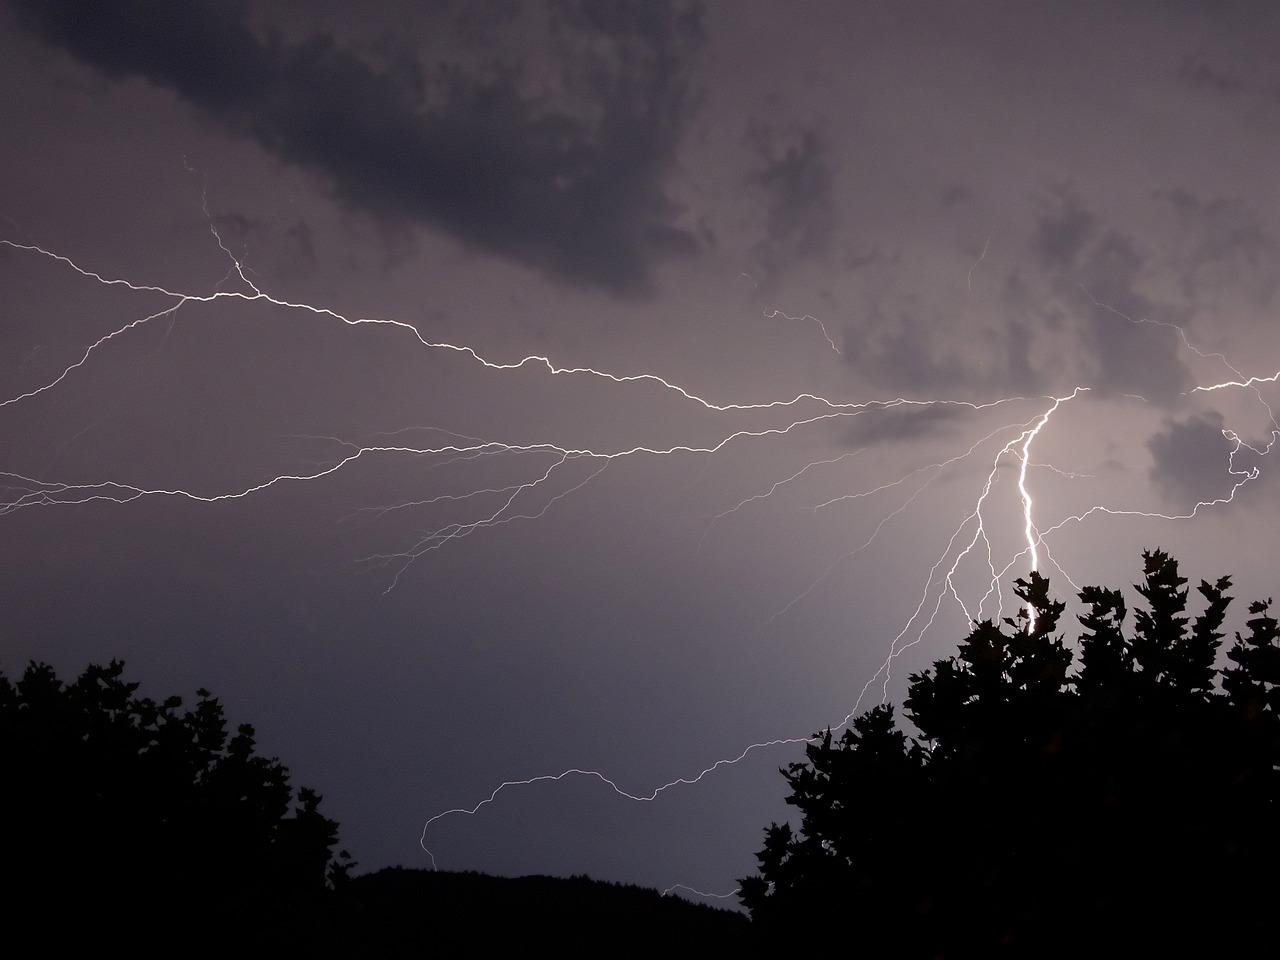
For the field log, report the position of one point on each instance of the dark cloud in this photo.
(907, 356)
(1196, 73)
(796, 179)
(917, 352)
(1099, 272)
(291, 245)
(1063, 229)
(1189, 459)
(954, 194)
(304, 238)
(570, 182)
(1130, 355)
(1217, 243)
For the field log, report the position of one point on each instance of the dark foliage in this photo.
(135, 824)
(127, 820)
(1129, 805)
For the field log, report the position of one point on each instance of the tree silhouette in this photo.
(128, 817)
(1037, 810)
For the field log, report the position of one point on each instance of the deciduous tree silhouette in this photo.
(135, 825)
(127, 819)
(1038, 809)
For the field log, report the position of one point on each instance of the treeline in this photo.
(1122, 800)
(131, 823)
(1120, 797)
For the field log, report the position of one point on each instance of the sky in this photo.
(595, 394)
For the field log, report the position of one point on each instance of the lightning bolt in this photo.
(808, 316)
(968, 280)
(532, 498)
(699, 893)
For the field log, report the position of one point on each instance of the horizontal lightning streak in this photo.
(532, 359)
(639, 450)
(22, 491)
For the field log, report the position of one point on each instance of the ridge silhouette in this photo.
(135, 823)
(1127, 806)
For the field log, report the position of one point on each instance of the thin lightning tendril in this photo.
(18, 491)
(775, 314)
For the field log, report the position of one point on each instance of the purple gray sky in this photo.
(470, 571)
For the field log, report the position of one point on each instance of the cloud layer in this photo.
(572, 186)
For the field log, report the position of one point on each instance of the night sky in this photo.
(798, 281)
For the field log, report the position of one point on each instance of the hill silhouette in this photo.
(129, 821)
(422, 909)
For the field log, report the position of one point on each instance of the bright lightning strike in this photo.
(519, 501)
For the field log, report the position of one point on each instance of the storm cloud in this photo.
(1189, 459)
(1100, 271)
(796, 179)
(572, 186)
